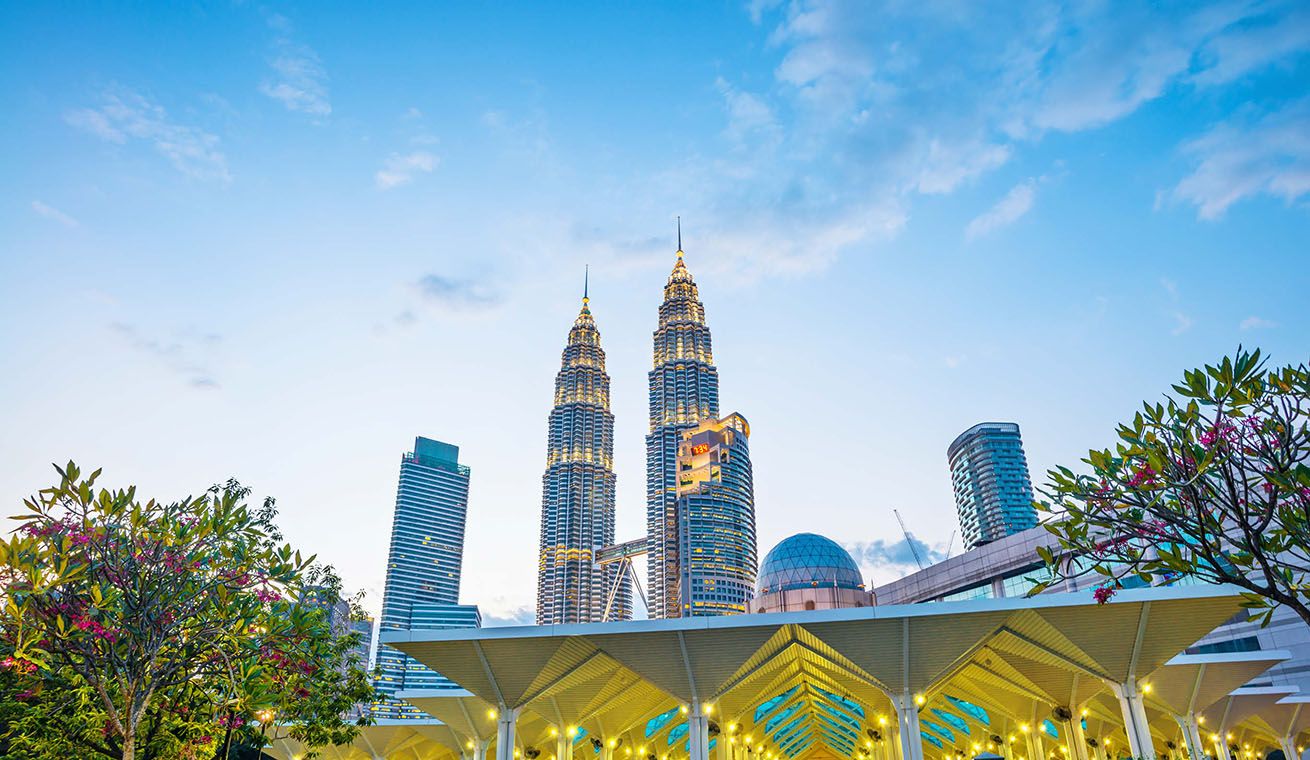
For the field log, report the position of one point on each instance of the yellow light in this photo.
(611, 743)
(1012, 738)
(732, 740)
(682, 709)
(627, 751)
(554, 731)
(571, 731)
(1024, 727)
(1146, 688)
(469, 745)
(868, 743)
(642, 749)
(732, 729)
(517, 752)
(882, 720)
(1084, 712)
(976, 746)
(709, 709)
(919, 700)
(1229, 736)
(491, 713)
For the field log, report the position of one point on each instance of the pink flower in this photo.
(1103, 594)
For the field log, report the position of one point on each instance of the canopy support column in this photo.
(698, 732)
(1191, 735)
(480, 749)
(1288, 745)
(907, 725)
(1077, 738)
(563, 745)
(506, 723)
(1136, 726)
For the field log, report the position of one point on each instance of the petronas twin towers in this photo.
(700, 518)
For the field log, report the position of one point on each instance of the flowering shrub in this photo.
(166, 628)
(1213, 483)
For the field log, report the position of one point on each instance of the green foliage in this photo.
(1212, 484)
(180, 630)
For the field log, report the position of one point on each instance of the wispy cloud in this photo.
(894, 557)
(456, 293)
(400, 169)
(124, 116)
(1182, 321)
(1246, 156)
(52, 213)
(1007, 211)
(1256, 323)
(518, 616)
(188, 354)
(298, 79)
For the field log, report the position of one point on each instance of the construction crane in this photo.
(909, 540)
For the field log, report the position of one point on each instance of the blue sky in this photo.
(278, 242)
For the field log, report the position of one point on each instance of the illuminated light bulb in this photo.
(554, 731)
(491, 713)
(469, 745)
(611, 743)
(1084, 712)
(1200, 720)
(1024, 727)
(571, 731)
(1146, 688)
(919, 700)
(882, 720)
(709, 709)
(517, 752)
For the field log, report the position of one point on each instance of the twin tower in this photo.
(700, 505)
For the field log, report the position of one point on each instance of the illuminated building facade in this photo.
(989, 474)
(715, 548)
(577, 500)
(423, 568)
(684, 392)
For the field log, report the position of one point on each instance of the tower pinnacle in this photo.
(679, 237)
(586, 281)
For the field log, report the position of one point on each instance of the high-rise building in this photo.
(993, 493)
(715, 548)
(423, 567)
(684, 392)
(577, 489)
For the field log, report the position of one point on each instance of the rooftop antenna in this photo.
(909, 540)
(679, 236)
(586, 282)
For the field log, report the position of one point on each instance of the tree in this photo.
(174, 626)
(1212, 484)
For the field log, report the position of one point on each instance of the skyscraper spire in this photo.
(586, 281)
(679, 237)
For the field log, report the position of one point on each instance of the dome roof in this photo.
(806, 560)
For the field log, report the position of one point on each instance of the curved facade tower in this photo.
(577, 499)
(684, 392)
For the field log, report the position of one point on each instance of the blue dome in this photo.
(807, 561)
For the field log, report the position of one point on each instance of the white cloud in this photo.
(1256, 323)
(1245, 156)
(1182, 323)
(126, 115)
(1007, 211)
(400, 169)
(50, 212)
(748, 116)
(299, 80)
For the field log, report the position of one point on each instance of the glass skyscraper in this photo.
(684, 392)
(423, 567)
(577, 499)
(989, 474)
(716, 555)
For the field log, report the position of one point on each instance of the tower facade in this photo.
(684, 392)
(423, 568)
(716, 555)
(989, 474)
(577, 489)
